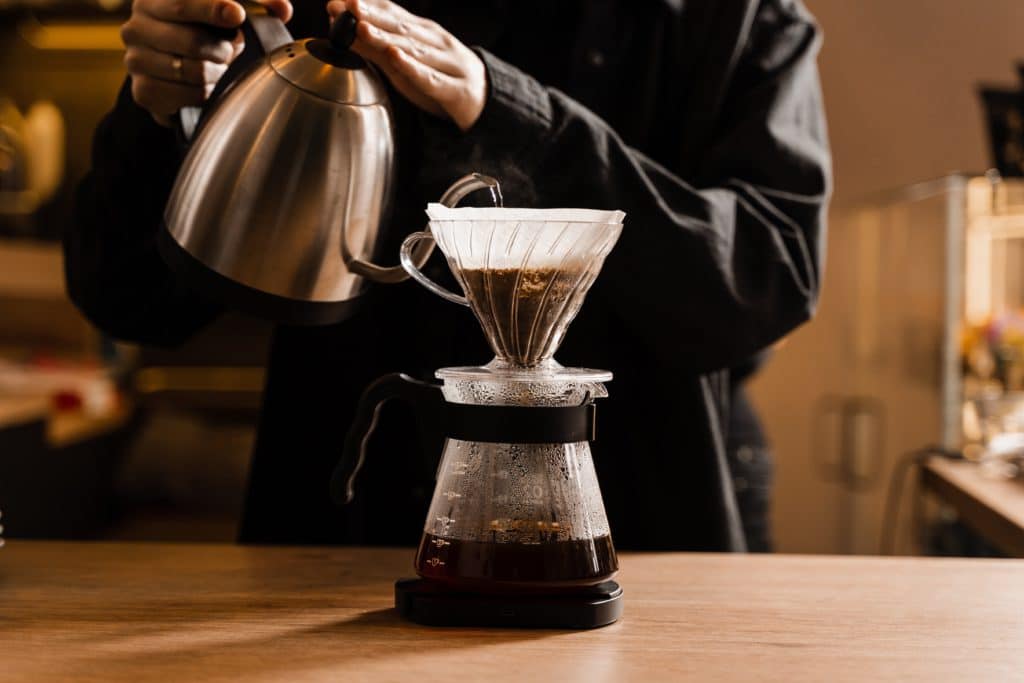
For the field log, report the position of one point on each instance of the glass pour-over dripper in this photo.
(525, 272)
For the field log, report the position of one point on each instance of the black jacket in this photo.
(701, 119)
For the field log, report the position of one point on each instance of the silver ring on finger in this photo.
(179, 67)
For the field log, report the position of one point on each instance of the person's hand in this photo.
(174, 58)
(424, 62)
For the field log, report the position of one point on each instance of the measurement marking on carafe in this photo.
(440, 542)
(451, 495)
(460, 467)
(435, 562)
(443, 524)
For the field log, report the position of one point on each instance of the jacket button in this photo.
(595, 57)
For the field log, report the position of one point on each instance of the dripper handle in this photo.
(409, 264)
(412, 261)
(423, 395)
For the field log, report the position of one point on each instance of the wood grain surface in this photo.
(992, 507)
(160, 612)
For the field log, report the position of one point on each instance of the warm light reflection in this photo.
(72, 36)
(994, 253)
(252, 627)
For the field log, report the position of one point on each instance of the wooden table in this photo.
(992, 507)
(160, 612)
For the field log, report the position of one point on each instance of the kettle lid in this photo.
(328, 69)
(346, 81)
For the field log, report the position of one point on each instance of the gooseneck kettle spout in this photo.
(452, 196)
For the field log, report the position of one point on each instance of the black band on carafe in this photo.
(521, 424)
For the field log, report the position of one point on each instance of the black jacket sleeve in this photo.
(114, 274)
(709, 269)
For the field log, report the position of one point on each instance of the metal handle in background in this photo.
(424, 395)
(843, 470)
(414, 260)
(830, 469)
(260, 28)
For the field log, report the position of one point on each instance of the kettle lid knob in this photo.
(343, 31)
(335, 50)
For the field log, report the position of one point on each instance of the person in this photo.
(701, 119)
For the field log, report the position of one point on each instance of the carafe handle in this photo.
(423, 395)
(259, 28)
(412, 260)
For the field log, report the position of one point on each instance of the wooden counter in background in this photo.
(994, 508)
(158, 612)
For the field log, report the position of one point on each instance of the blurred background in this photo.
(918, 348)
(98, 439)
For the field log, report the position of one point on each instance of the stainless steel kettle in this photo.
(278, 205)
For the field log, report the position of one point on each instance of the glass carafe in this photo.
(517, 516)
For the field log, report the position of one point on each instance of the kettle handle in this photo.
(418, 258)
(425, 395)
(259, 28)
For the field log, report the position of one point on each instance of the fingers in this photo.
(393, 19)
(462, 98)
(425, 63)
(437, 85)
(178, 39)
(387, 24)
(396, 20)
(222, 13)
(144, 61)
(172, 55)
(446, 61)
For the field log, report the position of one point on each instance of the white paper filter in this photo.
(523, 238)
(440, 212)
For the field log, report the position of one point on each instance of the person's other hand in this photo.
(173, 56)
(425, 63)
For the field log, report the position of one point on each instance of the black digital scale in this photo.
(424, 602)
